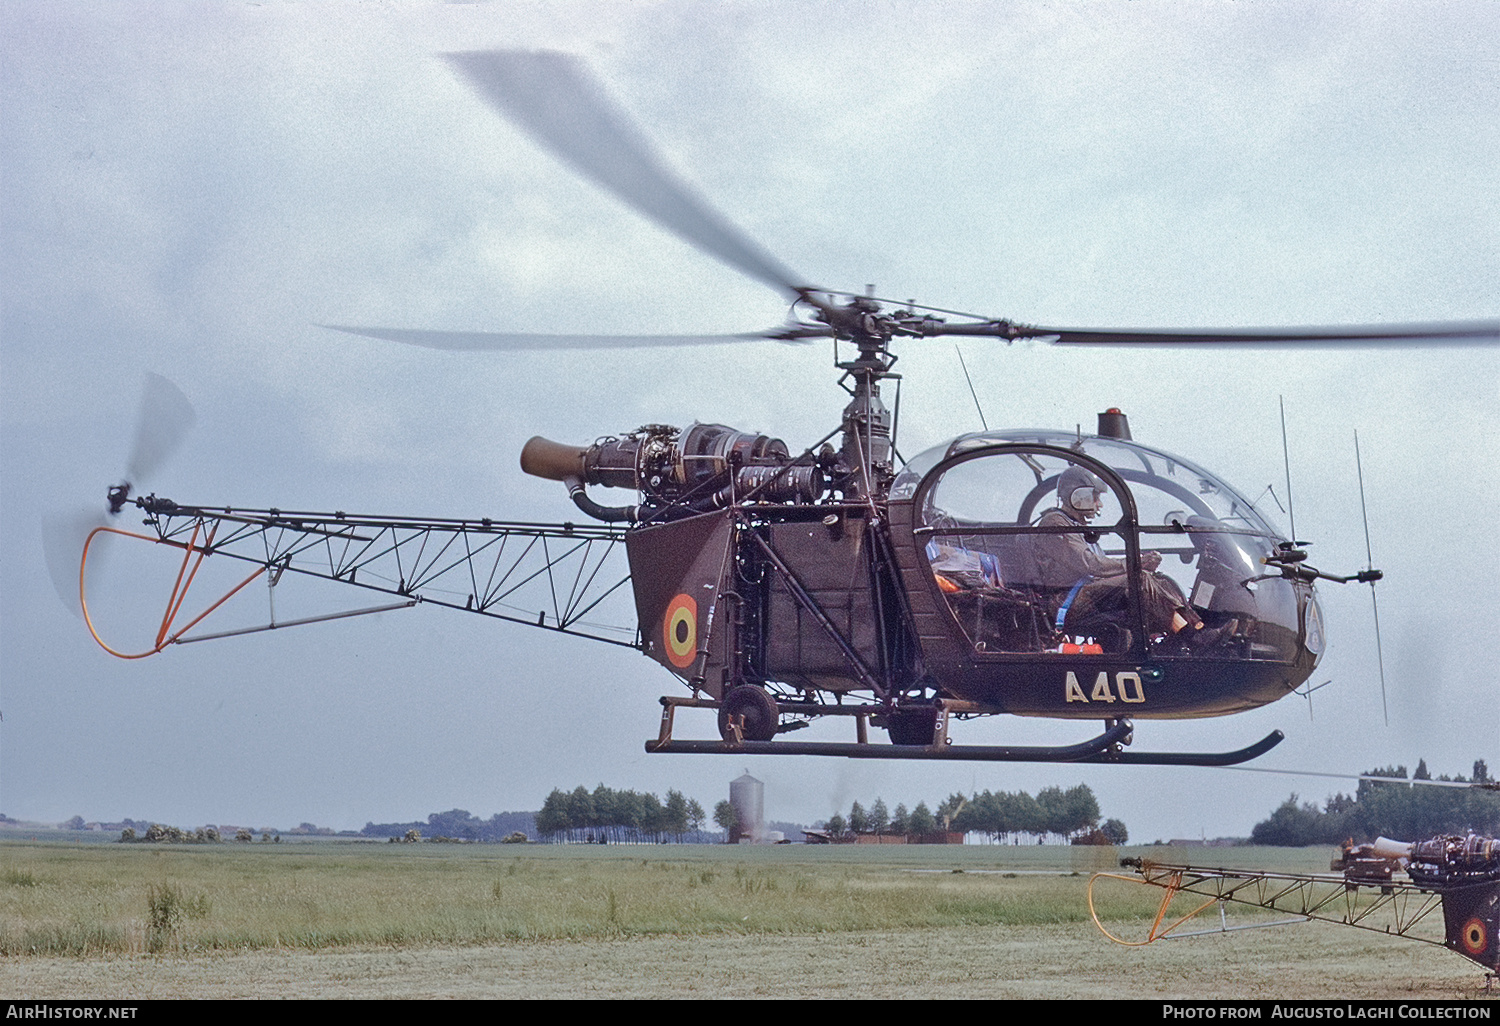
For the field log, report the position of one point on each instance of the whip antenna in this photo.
(1286, 462)
(965, 366)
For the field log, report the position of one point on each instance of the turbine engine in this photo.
(706, 467)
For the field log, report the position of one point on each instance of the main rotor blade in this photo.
(1457, 333)
(496, 341)
(555, 99)
(163, 422)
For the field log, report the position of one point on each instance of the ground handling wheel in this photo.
(759, 712)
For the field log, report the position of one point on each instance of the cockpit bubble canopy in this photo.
(1005, 531)
(1168, 490)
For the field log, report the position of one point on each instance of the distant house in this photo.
(937, 837)
(940, 837)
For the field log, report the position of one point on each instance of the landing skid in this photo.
(1233, 758)
(1108, 747)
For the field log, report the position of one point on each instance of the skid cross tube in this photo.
(1106, 748)
(1119, 733)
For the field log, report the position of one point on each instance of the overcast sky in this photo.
(191, 189)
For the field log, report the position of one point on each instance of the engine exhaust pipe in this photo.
(552, 460)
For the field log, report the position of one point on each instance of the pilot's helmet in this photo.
(1079, 491)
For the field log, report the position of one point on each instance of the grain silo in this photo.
(748, 796)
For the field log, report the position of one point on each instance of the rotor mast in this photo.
(865, 468)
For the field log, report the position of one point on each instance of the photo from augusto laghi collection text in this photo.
(1328, 1010)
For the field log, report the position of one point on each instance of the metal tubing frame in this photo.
(1398, 906)
(1154, 934)
(408, 557)
(174, 600)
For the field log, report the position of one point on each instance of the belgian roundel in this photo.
(1475, 938)
(680, 631)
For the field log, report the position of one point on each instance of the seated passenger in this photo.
(1224, 570)
(995, 618)
(1087, 588)
(957, 568)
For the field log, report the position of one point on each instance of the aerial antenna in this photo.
(982, 422)
(1307, 693)
(1271, 490)
(1286, 462)
(1370, 565)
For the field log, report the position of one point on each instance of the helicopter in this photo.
(782, 588)
(1388, 887)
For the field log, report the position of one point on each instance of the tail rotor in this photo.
(163, 421)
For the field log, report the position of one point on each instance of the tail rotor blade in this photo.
(1370, 565)
(163, 422)
(1379, 654)
(63, 536)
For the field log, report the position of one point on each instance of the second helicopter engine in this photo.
(706, 467)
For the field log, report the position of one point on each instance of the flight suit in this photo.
(1084, 586)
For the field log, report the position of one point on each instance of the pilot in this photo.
(1087, 588)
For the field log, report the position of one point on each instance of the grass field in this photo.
(376, 920)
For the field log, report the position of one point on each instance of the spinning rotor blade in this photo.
(1359, 466)
(63, 536)
(495, 341)
(164, 420)
(1458, 333)
(554, 98)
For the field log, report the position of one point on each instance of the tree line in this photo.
(619, 817)
(1400, 811)
(1001, 815)
(458, 824)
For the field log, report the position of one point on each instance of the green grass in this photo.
(77, 899)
